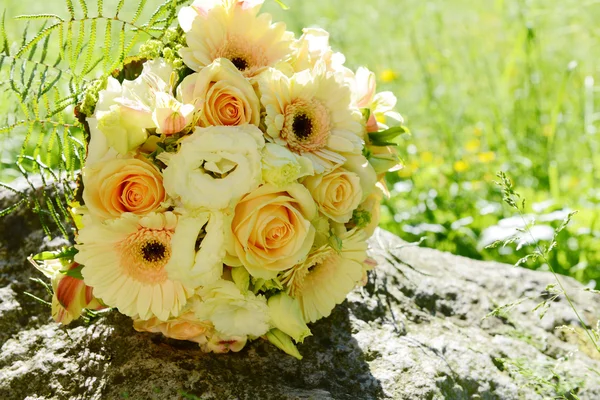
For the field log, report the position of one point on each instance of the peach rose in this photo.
(185, 327)
(222, 95)
(272, 229)
(121, 185)
(337, 193)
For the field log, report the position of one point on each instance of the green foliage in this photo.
(46, 76)
(550, 381)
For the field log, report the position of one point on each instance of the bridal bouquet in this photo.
(233, 176)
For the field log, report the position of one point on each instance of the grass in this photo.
(484, 86)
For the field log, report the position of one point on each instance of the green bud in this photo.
(91, 96)
(283, 342)
(151, 49)
(286, 315)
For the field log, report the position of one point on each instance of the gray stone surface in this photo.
(414, 332)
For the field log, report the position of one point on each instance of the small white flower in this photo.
(198, 262)
(231, 312)
(281, 167)
(215, 166)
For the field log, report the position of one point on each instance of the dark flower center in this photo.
(240, 63)
(153, 251)
(302, 126)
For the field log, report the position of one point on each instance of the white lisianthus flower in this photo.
(286, 315)
(310, 113)
(231, 312)
(198, 262)
(233, 30)
(222, 95)
(327, 275)
(282, 167)
(215, 166)
(124, 262)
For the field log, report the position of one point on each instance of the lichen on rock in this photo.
(415, 331)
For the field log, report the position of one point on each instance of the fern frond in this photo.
(45, 75)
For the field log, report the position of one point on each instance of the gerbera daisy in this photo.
(124, 261)
(327, 276)
(311, 114)
(233, 30)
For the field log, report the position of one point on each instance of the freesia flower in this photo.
(70, 294)
(311, 114)
(380, 105)
(170, 116)
(125, 111)
(232, 30)
(271, 229)
(124, 261)
(215, 166)
(222, 94)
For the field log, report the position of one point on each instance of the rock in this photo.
(415, 331)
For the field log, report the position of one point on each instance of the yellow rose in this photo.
(337, 193)
(222, 94)
(184, 327)
(272, 229)
(121, 185)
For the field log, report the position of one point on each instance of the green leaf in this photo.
(283, 342)
(384, 138)
(66, 252)
(241, 278)
(282, 5)
(74, 272)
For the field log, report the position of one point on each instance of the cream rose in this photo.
(215, 166)
(222, 95)
(121, 185)
(337, 193)
(272, 229)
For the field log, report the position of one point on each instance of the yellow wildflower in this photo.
(388, 75)
(461, 166)
(486, 157)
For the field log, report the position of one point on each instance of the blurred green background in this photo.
(484, 86)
